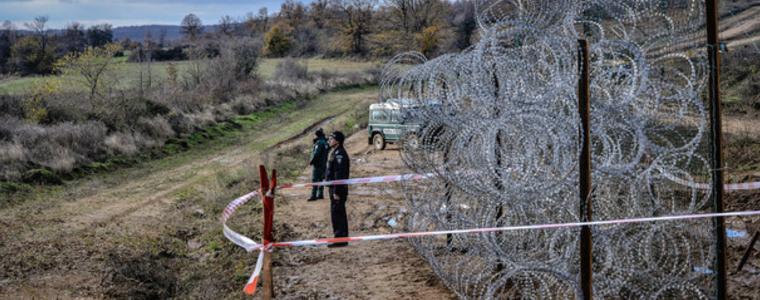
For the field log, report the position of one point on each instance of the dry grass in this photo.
(128, 73)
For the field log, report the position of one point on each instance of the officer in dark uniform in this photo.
(318, 164)
(338, 165)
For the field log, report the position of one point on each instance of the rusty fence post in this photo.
(584, 181)
(267, 196)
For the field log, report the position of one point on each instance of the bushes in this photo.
(121, 143)
(290, 69)
(12, 158)
(166, 54)
(80, 133)
(11, 106)
(278, 41)
(60, 147)
(30, 55)
(156, 127)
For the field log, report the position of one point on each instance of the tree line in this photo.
(35, 50)
(363, 29)
(356, 28)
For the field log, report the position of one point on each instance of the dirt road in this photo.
(370, 270)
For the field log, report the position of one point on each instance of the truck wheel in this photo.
(379, 141)
(411, 142)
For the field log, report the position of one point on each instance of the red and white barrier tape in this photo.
(250, 245)
(321, 242)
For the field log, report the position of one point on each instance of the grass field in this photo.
(128, 73)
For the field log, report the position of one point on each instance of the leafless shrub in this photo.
(69, 107)
(195, 72)
(82, 141)
(143, 141)
(11, 152)
(251, 86)
(237, 60)
(11, 106)
(180, 123)
(189, 101)
(243, 105)
(56, 158)
(289, 69)
(8, 126)
(121, 143)
(202, 119)
(42, 150)
(223, 112)
(156, 127)
(12, 160)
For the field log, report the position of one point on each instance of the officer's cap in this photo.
(338, 136)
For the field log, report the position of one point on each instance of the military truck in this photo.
(391, 122)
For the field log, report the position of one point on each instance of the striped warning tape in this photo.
(250, 245)
(321, 242)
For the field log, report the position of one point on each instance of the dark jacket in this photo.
(338, 164)
(319, 153)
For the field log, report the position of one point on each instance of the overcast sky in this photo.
(128, 12)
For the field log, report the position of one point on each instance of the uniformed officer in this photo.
(318, 164)
(338, 166)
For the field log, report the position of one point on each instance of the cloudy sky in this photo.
(128, 12)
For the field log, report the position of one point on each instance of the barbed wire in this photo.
(499, 127)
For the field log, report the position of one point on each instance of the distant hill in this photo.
(138, 33)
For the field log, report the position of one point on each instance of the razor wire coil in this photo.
(498, 124)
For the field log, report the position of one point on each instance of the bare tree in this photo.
(258, 23)
(100, 35)
(7, 39)
(319, 13)
(93, 66)
(464, 23)
(226, 26)
(162, 38)
(74, 39)
(8, 28)
(192, 26)
(263, 19)
(150, 45)
(293, 13)
(38, 27)
(355, 17)
(415, 15)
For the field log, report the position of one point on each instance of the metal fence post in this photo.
(585, 168)
(716, 149)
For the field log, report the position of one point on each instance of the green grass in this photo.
(128, 73)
